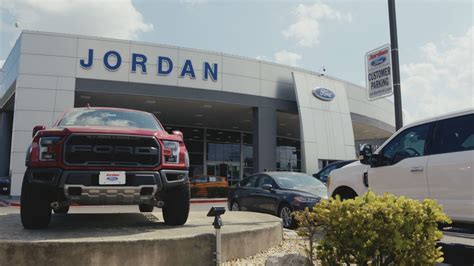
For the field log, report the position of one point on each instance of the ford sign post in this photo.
(378, 68)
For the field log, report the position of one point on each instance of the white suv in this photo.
(430, 159)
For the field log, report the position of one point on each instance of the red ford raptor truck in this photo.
(105, 156)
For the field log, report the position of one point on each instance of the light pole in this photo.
(217, 212)
(395, 65)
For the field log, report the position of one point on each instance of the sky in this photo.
(435, 37)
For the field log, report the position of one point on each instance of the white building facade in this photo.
(238, 115)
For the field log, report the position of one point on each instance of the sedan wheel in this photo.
(285, 215)
(235, 206)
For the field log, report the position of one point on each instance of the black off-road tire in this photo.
(145, 207)
(35, 209)
(62, 210)
(176, 208)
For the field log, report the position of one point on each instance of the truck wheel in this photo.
(35, 210)
(145, 208)
(62, 210)
(176, 208)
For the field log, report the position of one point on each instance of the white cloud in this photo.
(282, 57)
(442, 81)
(306, 29)
(106, 18)
(287, 58)
(1, 63)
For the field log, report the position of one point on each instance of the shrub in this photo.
(194, 191)
(216, 192)
(381, 230)
(308, 228)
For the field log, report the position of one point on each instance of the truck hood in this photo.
(160, 134)
(349, 170)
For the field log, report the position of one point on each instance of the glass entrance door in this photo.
(229, 170)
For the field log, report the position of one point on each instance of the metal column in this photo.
(264, 139)
(6, 119)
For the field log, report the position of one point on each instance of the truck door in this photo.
(405, 173)
(451, 167)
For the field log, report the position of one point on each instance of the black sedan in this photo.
(324, 173)
(277, 193)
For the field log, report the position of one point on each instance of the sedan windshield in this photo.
(297, 181)
(109, 118)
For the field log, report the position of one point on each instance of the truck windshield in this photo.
(109, 118)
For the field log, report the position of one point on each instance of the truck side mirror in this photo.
(178, 133)
(36, 129)
(366, 154)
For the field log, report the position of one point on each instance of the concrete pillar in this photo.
(264, 139)
(6, 120)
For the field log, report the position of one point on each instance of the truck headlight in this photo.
(173, 147)
(48, 148)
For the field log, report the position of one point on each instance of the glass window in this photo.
(409, 143)
(110, 118)
(264, 179)
(297, 180)
(454, 134)
(223, 146)
(288, 155)
(250, 181)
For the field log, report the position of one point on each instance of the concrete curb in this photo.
(126, 241)
(14, 203)
(216, 200)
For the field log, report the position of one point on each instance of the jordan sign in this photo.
(378, 69)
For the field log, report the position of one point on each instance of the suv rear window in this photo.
(454, 134)
(109, 118)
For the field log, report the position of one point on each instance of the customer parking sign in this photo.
(378, 69)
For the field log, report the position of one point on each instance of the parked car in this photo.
(202, 183)
(323, 174)
(433, 158)
(277, 193)
(105, 156)
(5, 185)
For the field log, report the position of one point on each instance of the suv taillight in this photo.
(48, 148)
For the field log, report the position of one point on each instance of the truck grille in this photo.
(111, 150)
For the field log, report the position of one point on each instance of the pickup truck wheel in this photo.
(145, 208)
(35, 209)
(176, 208)
(62, 210)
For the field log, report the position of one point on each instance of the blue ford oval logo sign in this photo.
(324, 94)
(112, 178)
(378, 61)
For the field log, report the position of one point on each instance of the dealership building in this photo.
(238, 115)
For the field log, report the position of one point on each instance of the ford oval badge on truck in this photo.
(324, 94)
